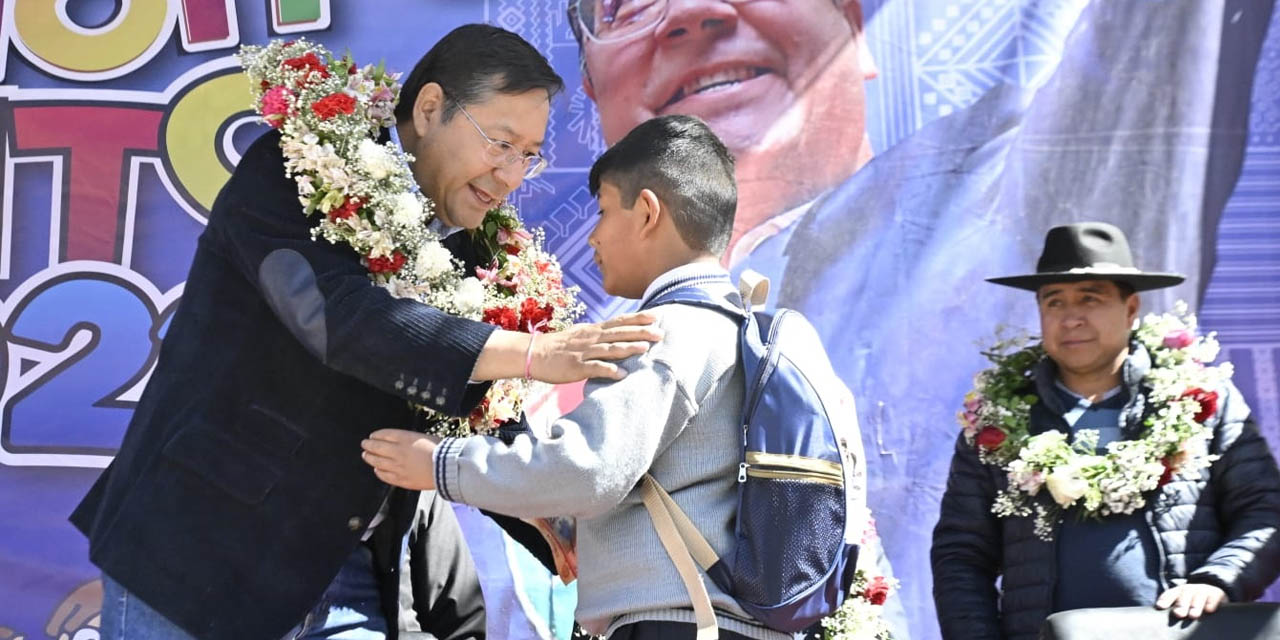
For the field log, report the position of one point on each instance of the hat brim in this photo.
(1139, 281)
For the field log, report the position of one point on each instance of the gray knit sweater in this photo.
(676, 415)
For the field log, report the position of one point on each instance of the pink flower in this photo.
(275, 105)
(518, 238)
(1030, 482)
(1179, 339)
(487, 275)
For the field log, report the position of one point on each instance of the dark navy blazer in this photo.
(239, 490)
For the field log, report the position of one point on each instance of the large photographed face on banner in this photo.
(891, 155)
(780, 82)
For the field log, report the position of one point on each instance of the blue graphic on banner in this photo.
(989, 121)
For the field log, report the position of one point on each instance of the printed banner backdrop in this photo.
(985, 122)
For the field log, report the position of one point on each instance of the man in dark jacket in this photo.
(238, 505)
(1198, 541)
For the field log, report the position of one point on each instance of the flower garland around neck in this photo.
(1180, 399)
(330, 112)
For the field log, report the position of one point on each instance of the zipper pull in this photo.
(742, 472)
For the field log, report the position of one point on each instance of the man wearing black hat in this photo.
(1197, 541)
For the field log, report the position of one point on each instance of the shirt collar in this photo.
(437, 225)
(1111, 393)
(690, 270)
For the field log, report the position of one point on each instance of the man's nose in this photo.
(696, 17)
(1074, 317)
(509, 176)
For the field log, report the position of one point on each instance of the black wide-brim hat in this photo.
(1088, 251)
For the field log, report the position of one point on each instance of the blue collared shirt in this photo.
(1108, 562)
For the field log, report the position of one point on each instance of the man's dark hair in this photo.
(686, 166)
(474, 62)
(1123, 288)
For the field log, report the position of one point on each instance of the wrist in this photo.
(503, 356)
(528, 357)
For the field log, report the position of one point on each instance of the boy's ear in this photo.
(650, 208)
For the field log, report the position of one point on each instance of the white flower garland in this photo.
(1181, 398)
(329, 113)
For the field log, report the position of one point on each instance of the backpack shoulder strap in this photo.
(677, 534)
(714, 293)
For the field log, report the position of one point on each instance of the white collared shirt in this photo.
(690, 270)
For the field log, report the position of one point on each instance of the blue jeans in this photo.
(349, 609)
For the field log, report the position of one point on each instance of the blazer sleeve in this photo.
(326, 299)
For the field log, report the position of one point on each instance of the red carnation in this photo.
(533, 315)
(1168, 472)
(333, 104)
(309, 62)
(990, 438)
(504, 317)
(387, 264)
(348, 209)
(511, 249)
(877, 592)
(1208, 402)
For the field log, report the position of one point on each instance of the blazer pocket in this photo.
(246, 460)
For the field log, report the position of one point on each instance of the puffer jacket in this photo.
(1219, 529)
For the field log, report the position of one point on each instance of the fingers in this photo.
(1191, 601)
(378, 461)
(395, 435)
(1214, 600)
(387, 476)
(629, 333)
(627, 319)
(598, 369)
(1196, 606)
(614, 350)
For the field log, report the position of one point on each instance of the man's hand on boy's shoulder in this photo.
(592, 350)
(402, 458)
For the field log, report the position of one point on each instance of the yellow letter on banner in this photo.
(51, 41)
(191, 137)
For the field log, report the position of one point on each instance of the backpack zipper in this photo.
(771, 361)
(779, 466)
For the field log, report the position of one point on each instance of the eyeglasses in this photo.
(503, 154)
(617, 20)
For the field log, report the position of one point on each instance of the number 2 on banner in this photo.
(81, 344)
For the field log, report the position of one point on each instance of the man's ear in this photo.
(1132, 306)
(427, 107)
(852, 10)
(649, 208)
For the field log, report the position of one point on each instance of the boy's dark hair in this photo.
(686, 166)
(472, 63)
